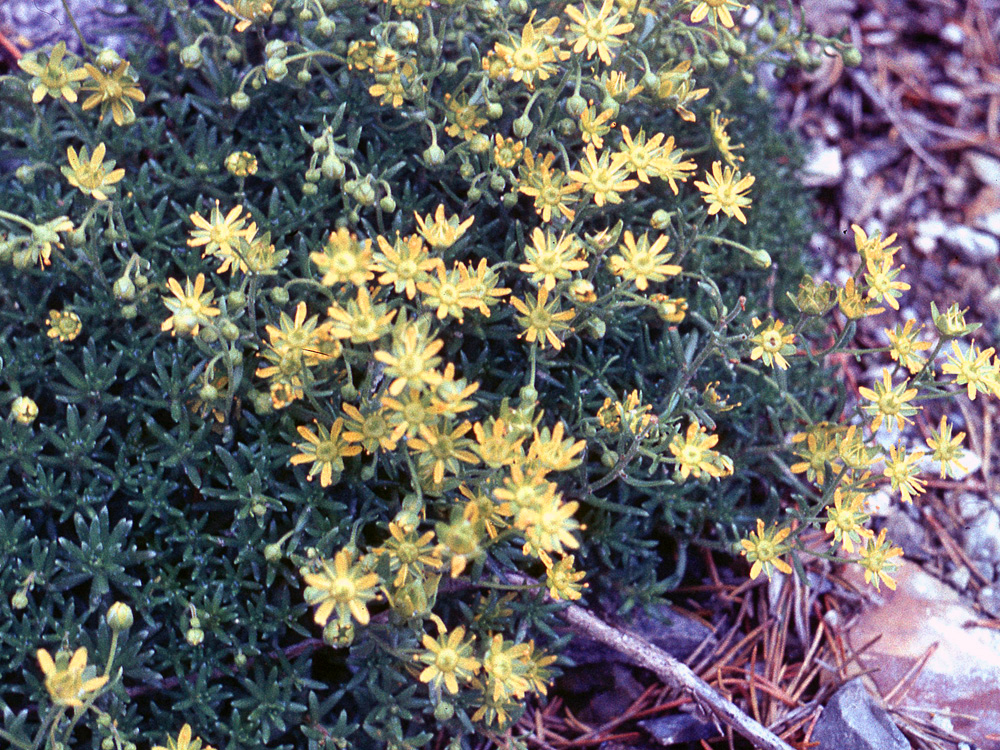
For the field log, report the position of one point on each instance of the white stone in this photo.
(975, 247)
(947, 94)
(953, 33)
(824, 166)
(933, 227)
(990, 223)
(987, 168)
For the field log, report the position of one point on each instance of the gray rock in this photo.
(989, 223)
(973, 246)
(823, 166)
(987, 168)
(677, 728)
(853, 720)
(908, 534)
(44, 22)
(989, 600)
(981, 539)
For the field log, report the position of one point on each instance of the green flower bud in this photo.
(520, 7)
(77, 237)
(332, 167)
(240, 660)
(765, 31)
(576, 105)
(275, 69)
(261, 403)
(497, 183)
(23, 258)
(272, 553)
(851, 56)
(348, 392)
(239, 101)
(528, 394)
(479, 144)
(236, 298)
(610, 103)
(208, 392)
(802, 56)
(434, 156)
(367, 473)
(699, 62)
(208, 334)
(650, 81)
(494, 110)
(309, 189)
(523, 126)
(305, 15)
(737, 46)
(141, 280)
(719, 59)
(509, 200)
(325, 27)
(320, 144)
(660, 219)
(467, 171)
(191, 56)
(595, 328)
(233, 55)
(337, 636)
(276, 48)
(609, 459)
(444, 711)
(195, 636)
(474, 194)
(364, 194)
(129, 311)
(109, 59)
(107, 744)
(279, 295)
(489, 8)
(103, 721)
(25, 174)
(303, 76)
(124, 289)
(19, 600)
(387, 204)
(407, 33)
(566, 127)
(279, 17)
(119, 617)
(748, 77)
(235, 357)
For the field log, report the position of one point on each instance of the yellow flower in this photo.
(717, 124)
(464, 118)
(876, 559)
(66, 326)
(409, 415)
(549, 526)
(44, 237)
(532, 56)
(442, 232)
(595, 126)
(853, 304)
(550, 259)
(882, 284)
(483, 289)
(719, 10)
(345, 587)
(344, 259)
(94, 176)
(562, 581)
(410, 8)
(507, 152)
(764, 550)
(411, 359)
(670, 310)
(549, 187)
(241, 164)
(372, 430)
(326, 452)
(947, 450)
(409, 554)
(677, 89)
(52, 74)
(403, 264)
(69, 681)
(361, 322)
(183, 741)
(219, 234)
(449, 293)
(904, 346)
(642, 262)
(772, 344)
(498, 447)
(448, 659)
(505, 668)
(973, 369)
(191, 307)
(890, 402)
(597, 32)
(246, 11)
(901, 468)
(116, 90)
(873, 249)
(724, 191)
(440, 448)
(553, 452)
(846, 521)
(694, 452)
(654, 158)
(603, 178)
(542, 321)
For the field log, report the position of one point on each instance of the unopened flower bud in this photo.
(479, 144)
(364, 194)
(434, 156)
(24, 410)
(119, 616)
(276, 48)
(387, 204)
(325, 27)
(332, 167)
(25, 174)
(494, 110)
(309, 188)
(124, 289)
(233, 55)
(19, 600)
(275, 69)
(272, 552)
(236, 298)
(509, 200)
(407, 33)
(108, 58)
(467, 171)
(303, 76)
(851, 57)
(279, 295)
(195, 636)
(523, 126)
(239, 101)
(208, 334)
(444, 711)
(208, 393)
(191, 56)
(129, 311)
